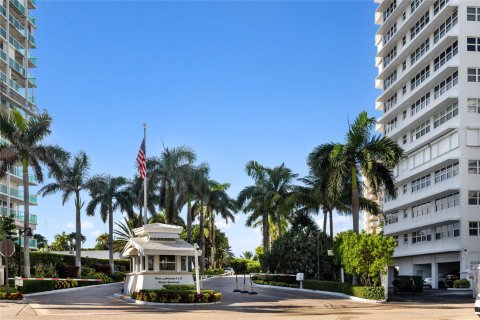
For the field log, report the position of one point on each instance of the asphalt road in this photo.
(98, 303)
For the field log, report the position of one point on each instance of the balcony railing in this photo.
(32, 243)
(3, 55)
(18, 6)
(16, 24)
(18, 215)
(32, 19)
(3, 10)
(18, 194)
(19, 173)
(15, 65)
(31, 38)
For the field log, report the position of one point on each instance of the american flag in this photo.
(142, 162)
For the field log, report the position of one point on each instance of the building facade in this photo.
(428, 60)
(17, 84)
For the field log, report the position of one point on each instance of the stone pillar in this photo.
(156, 263)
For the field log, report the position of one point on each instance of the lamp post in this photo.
(28, 232)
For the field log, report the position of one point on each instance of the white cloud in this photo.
(87, 224)
(221, 224)
(96, 233)
(70, 225)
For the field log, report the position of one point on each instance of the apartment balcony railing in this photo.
(32, 19)
(18, 6)
(20, 48)
(18, 194)
(31, 38)
(18, 215)
(16, 24)
(32, 243)
(3, 11)
(19, 173)
(3, 55)
(15, 65)
(32, 61)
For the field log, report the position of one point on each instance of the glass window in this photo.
(474, 197)
(150, 263)
(183, 263)
(473, 75)
(473, 13)
(167, 263)
(473, 228)
(473, 105)
(474, 166)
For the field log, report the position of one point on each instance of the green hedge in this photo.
(11, 296)
(268, 278)
(278, 284)
(177, 296)
(214, 272)
(461, 283)
(372, 293)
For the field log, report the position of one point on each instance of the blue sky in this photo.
(236, 81)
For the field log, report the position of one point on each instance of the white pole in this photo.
(145, 180)
(197, 273)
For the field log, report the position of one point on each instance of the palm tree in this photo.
(102, 241)
(171, 169)
(135, 188)
(370, 156)
(23, 145)
(247, 255)
(219, 203)
(110, 194)
(271, 195)
(72, 180)
(73, 241)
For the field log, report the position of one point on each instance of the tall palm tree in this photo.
(110, 194)
(219, 203)
(23, 145)
(135, 188)
(363, 155)
(171, 169)
(74, 178)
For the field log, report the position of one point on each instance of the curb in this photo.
(327, 293)
(159, 304)
(67, 290)
(15, 301)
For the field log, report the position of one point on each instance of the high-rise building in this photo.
(428, 60)
(17, 26)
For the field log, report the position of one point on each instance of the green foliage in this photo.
(102, 242)
(296, 250)
(32, 286)
(213, 272)
(177, 296)
(8, 228)
(253, 266)
(11, 296)
(239, 265)
(461, 283)
(181, 287)
(372, 293)
(364, 254)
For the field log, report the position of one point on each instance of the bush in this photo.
(372, 293)
(103, 268)
(32, 286)
(461, 283)
(181, 287)
(67, 271)
(213, 272)
(177, 296)
(11, 296)
(253, 266)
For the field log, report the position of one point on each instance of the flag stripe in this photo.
(141, 160)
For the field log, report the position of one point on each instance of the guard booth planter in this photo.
(158, 257)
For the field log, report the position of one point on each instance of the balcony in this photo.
(18, 6)
(16, 66)
(32, 20)
(31, 39)
(18, 215)
(32, 4)
(32, 61)
(32, 243)
(17, 194)
(14, 22)
(18, 174)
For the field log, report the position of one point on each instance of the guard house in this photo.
(158, 256)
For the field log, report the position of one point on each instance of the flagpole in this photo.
(145, 180)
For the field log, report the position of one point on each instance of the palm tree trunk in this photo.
(110, 238)
(78, 236)
(330, 213)
(201, 259)
(324, 221)
(212, 236)
(279, 224)
(355, 201)
(189, 221)
(26, 220)
(266, 235)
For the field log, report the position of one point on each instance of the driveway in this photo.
(98, 303)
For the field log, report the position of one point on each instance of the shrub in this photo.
(332, 286)
(372, 293)
(68, 271)
(103, 268)
(11, 296)
(32, 286)
(86, 271)
(177, 296)
(253, 266)
(461, 283)
(181, 287)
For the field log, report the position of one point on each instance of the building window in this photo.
(414, 5)
(183, 263)
(389, 126)
(422, 236)
(404, 114)
(167, 263)
(446, 85)
(420, 104)
(391, 218)
(421, 130)
(421, 183)
(419, 78)
(404, 65)
(447, 231)
(405, 188)
(419, 25)
(420, 51)
(404, 139)
(445, 115)
(446, 202)
(390, 103)
(395, 238)
(473, 228)
(438, 5)
(404, 90)
(445, 27)
(473, 105)
(389, 10)
(473, 75)
(474, 166)
(473, 13)
(390, 80)
(473, 44)
(389, 34)
(446, 173)
(405, 238)
(405, 213)
(404, 40)
(474, 197)
(390, 56)
(446, 55)
(421, 210)
(150, 263)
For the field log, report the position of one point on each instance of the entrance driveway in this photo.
(98, 303)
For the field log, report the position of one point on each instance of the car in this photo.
(477, 305)
(450, 278)
(228, 271)
(427, 282)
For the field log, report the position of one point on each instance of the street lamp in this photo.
(28, 232)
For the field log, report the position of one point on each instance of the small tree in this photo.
(365, 255)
